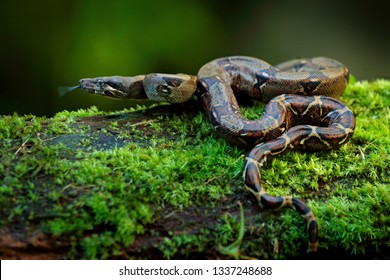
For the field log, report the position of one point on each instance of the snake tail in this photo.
(252, 179)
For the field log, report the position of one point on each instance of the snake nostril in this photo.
(82, 83)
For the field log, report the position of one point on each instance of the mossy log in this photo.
(158, 182)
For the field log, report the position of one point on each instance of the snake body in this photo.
(302, 110)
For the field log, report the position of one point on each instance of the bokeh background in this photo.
(51, 43)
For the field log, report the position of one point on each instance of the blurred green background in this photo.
(51, 43)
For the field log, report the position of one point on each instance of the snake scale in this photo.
(302, 111)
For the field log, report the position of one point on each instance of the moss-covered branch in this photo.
(158, 182)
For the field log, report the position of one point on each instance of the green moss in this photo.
(103, 181)
(184, 244)
(225, 232)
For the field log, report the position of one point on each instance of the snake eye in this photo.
(99, 82)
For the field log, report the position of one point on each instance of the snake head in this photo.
(115, 87)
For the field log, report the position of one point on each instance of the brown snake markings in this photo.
(302, 110)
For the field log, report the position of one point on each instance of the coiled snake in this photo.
(302, 110)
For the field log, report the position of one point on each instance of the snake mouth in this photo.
(96, 86)
(101, 86)
(109, 93)
(90, 85)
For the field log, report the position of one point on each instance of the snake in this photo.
(302, 111)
